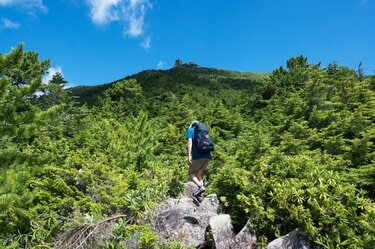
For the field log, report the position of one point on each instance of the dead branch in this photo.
(86, 235)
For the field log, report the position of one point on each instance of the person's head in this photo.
(193, 123)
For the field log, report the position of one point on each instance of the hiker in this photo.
(197, 160)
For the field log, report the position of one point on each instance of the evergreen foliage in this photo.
(294, 148)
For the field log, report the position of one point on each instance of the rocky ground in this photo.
(203, 225)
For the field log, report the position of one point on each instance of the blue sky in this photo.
(94, 42)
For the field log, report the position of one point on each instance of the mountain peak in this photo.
(179, 63)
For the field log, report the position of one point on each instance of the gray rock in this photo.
(244, 239)
(293, 240)
(198, 225)
(222, 231)
(182, 220)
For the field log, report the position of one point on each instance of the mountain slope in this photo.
(155, 81)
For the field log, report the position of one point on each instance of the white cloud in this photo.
(9, 24)
(130, 13)
(103, 11)
(135, 28)
(50, 73)
(134, 14)
(29, 5)
(160, 65)
(146, 43)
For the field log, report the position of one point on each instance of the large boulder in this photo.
(293, 240)
(222, 230)
(184, 220)
(198, 224)
(244, 239)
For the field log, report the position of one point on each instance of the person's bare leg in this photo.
(194, 178)
(200, 177)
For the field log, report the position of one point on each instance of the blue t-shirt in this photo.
(196, 154)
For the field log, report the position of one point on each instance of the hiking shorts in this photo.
(198, 164)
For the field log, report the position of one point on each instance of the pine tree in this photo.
(21, 123)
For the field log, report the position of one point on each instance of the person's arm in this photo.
(189, 146)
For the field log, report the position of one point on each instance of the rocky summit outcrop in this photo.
(203, 225)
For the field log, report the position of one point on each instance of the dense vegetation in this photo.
(294, 148)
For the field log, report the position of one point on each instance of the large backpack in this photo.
(202, 139)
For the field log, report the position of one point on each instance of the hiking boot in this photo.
(200, 191)
(198, 198)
